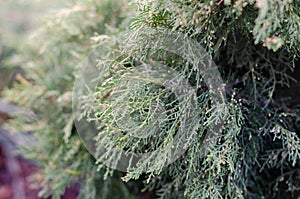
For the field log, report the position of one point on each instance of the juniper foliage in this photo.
(255, 45)
(257, 153)
(50, 57)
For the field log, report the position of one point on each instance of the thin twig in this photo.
(218, 4)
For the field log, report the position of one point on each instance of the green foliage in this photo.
(257, 153)
(274, 23)
(50, 58)
(255, 45)
(6, 72)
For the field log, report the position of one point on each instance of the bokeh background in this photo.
(19, 19)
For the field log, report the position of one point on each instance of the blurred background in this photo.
(18, 21)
